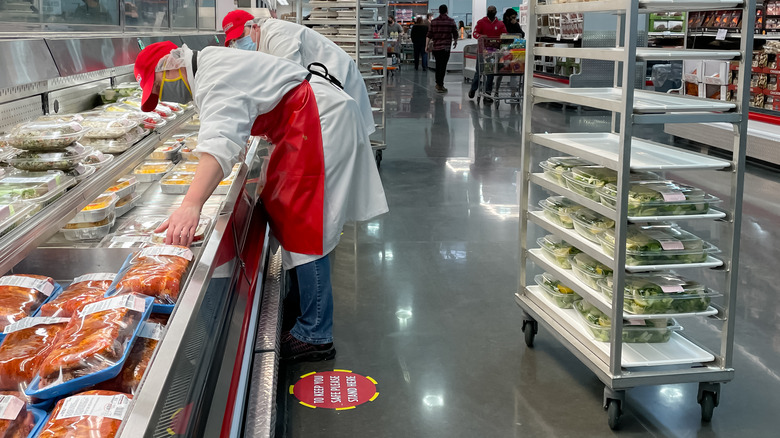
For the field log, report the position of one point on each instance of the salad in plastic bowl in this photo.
(561, 295)
(589, 270)
(658, 245)
(559, 209)
(634, 331)
(555, 167)
(660, 198)
(557, 250)
(590, 224)
(647, 294)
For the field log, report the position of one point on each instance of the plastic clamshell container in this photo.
(98, 159)
(103, 124)
(65, 160)
(588, 270)
(660, 198)
(114, 241)
(653, 294)
(97, 210)
(658, 245)
(590, 224)
(13, 212)
(124, 186)
(38, 187)
(83, 382)
(587, 180)
(140, 225)
(557, 250)
(149, 120)
(82, 172)
(45, 135)
(559, 209)
(128, 203)
(116, 145)
(650, 331)
(555, 167)
(164, 111)
(166, 152)
(150, 171)
(200, 233)
(559, 294)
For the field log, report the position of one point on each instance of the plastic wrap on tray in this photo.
(26, 345)
(45, 136)
(38, 187)
(164, 111)
(65, 160)
(95, 413)
(200, 232)
(134, 368)
(92, 342)
(124, 186)
(155, 271)
(85, 289)
(21, 295)
(16, 420)
(149, 120)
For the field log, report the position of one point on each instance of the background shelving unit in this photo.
(617, 363)
(352, 25)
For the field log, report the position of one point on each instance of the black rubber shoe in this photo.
(294, 350)
(471, 94)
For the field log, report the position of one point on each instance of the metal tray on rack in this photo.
(644, 101)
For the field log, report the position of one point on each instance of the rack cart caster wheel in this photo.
(613, 414)
(707, 406)
(529, 332)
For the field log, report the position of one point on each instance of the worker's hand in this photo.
(181, 225)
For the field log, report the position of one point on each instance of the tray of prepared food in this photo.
(92, 347)
(97, 210)
(561, 295)
(94, 413)
(81, 172)
(18, 420)
(98, 159)
(175, 107)
(176, 183)
(559, 210)
(124, 186)
(634, 331)
(26, 344)
(104, 124)
(115, 145)
(659, 245)
(200, 233)
(129, 379)
(587, 180)
(13, 211)
(188, 153)
(655, 294)
(164, 111)
(85, 289)
(588, 270)
(64, 160)
(110, 95)
(148, 120)
(76, 231)
(37, 187)
(168, 152)
(557, 250)
(555, 167)
(150, 171)
(590, 224)
(21, 295)
(156, 271)
(45, 136)
(225, 184)
(660, 198)
(186, 167)
(124, 205)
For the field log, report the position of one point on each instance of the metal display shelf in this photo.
(620, 151)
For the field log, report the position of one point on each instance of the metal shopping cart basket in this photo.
(497, 58)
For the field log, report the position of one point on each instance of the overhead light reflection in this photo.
(457, 165)
(403, 315)
(372, 229)
(433, 401)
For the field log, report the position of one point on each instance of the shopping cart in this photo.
(497, 58)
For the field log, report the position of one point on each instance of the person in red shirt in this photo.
(491, 27)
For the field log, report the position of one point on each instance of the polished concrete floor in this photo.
(424, 296)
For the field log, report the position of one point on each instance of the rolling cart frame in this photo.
(492, 64)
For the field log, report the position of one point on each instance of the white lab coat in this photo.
(232, 88)
(305, 46)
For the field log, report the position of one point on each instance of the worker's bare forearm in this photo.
(207, 178)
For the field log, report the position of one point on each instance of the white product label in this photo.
(151, 330)
(721, 34)
(670, 285)
(166, 251)
(101, 276)
(10, 407)
(106, 406)
(667, 243)
(673, 196)
(131, 302)
(26, 323)
(130, 239)
(5, 212)
(637, 322)
(42, 286)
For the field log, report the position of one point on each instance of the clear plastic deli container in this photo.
(590, 225)
(634, 331)
(45, 136)
(38, 187)
(176, 183)
(589, 270)
(98, 159)
(658, 245)
(13, 212)
(562, 296)
(653, 294)
(559, 209)
(557, 251)
(555, 167)
(587, 180)
(109, 125)
(660, 198)
(64, 160)
(150, 171)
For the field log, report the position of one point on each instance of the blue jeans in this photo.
(475, 82)
(315, 325)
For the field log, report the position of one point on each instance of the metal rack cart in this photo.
(682, 359)
(494, 63)
(351, 26)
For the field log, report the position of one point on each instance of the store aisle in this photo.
(424, 298)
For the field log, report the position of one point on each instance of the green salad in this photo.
(659, 198)
(555, 167)
(647, 294)
(588, 270)
(646, 331)
(559, 209)
(561, 295)
(590, 224)
(657, 245)
(557, 250)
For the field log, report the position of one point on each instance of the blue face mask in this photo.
(246, 43)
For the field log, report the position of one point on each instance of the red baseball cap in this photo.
(233, 24)
(145, 65)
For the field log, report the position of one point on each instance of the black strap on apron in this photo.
(194, 63)
(324, 75)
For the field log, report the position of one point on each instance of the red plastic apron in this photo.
(295, 183)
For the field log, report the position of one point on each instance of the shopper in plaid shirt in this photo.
(441, 33)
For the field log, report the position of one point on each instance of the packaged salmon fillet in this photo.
(95, 413)
(156, 271)
(26, 345)
(83, 290)
(22, 295)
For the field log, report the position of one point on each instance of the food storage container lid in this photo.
(555, 244)
(661, 324)
(34, 186)
(556, 203)
(662, 192)
(590, 266)
(104, 124)
(589, 218)
(98, 159)
(650, 240)
(13, 211)
(544, 279)
(56, 131)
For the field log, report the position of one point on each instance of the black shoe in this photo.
(294, 350)
(440, 89)
(471, 94)
(488, 100)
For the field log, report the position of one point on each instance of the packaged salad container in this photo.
(104, 124)
(557, 250)
(65, 160)
(114, 145)
(562, 296)
(652, 294)
(45, 136)
(37, 187)
(589, 270)
(555, 167)
(97, 210)
(589, 224)
(635, 331)
(660, 198)
(587, 180)
(658, 245)
(150, 171)
(124, 186)
(13, 212)
(559, 210)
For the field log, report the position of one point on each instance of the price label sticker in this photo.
(721, 34)
(10, 406)
(673, 196)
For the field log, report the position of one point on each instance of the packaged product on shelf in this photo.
(186, 167)
(92, 347)
(81, 172)
(124, 205)
(26, 345)
(660, 198)
(98, 159)
(175, 107)
(150, 171)
(85, 289)
(16, 419)
(107, 125)
(129, 241)
(129, 379)
(21, 295)
(164, 111)
(559, 210)
(176, 183)
(140, 225)
(93, 413)
(589, 270)
(13, 212)
(97, 210)
(650, 294)
(127, 89)
(64, 160)
(124, 186)
(555, 167)
(75, 231)
(658, 245)
(557, 250)
(148, 120)
(115, 145)
(586, 180)
(590, 224)
(559, 294)
(38, 187)
(156, 271)
(634, 331)
(45, 136)
(166, 152)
